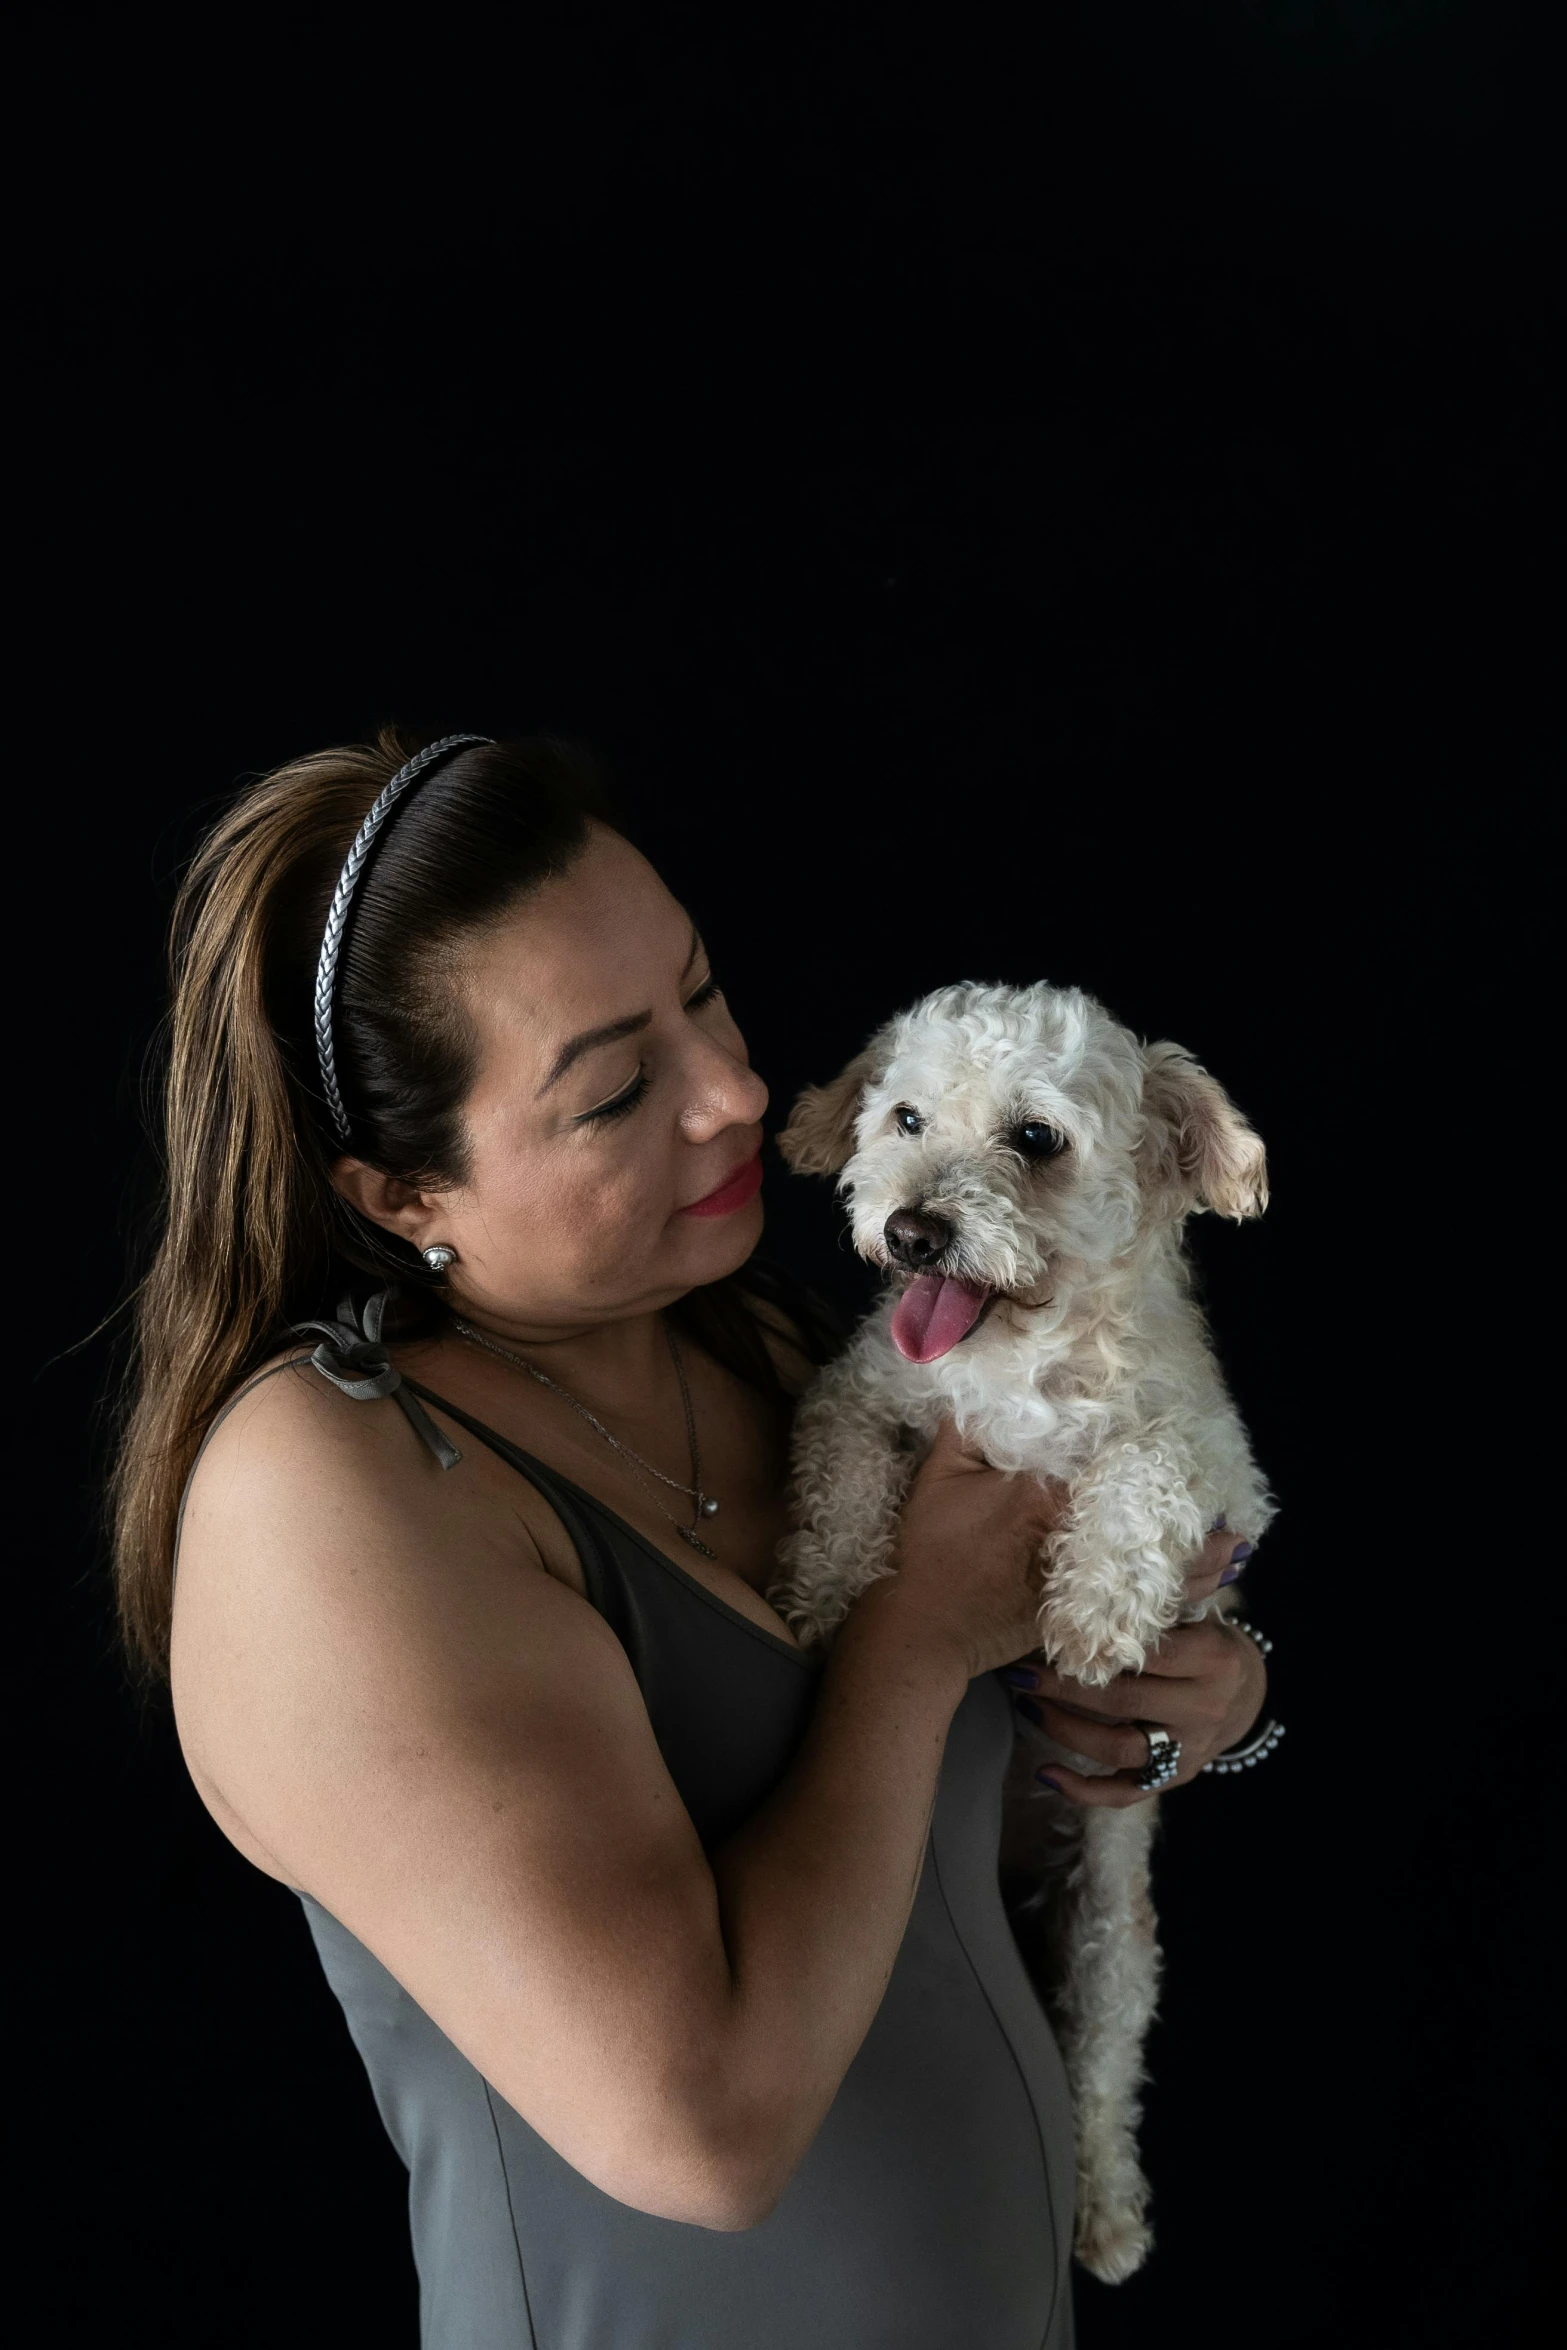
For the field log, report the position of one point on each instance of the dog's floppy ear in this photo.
(819, 1137)
(1198, 1151)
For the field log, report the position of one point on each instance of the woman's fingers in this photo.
(1121, 1747)
(971, 1541)
(949, 1450)
(1205, 1684)
(1127, 1753)
(1200, 1655)
(1104, 1794)
(1219, 1561)
(1123, 1699)
(1199, 1680)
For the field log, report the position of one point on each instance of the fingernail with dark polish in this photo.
(1027, 1707)
(1045, 1780)
(1230, 1575)
(1020, 1676)
(1241, 1552)
(1219, 1524)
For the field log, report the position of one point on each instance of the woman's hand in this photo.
(970, 1565)
(1205, 1683)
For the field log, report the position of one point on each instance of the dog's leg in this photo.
(851, 1469)
(1107, 1986)
(1117, 1568)
(1225, 1478)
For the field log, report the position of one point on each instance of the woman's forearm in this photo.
(761, 1970)
(815, 1892)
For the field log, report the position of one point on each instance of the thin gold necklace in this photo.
(703, 1504)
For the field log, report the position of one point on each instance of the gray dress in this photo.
(933, 2211)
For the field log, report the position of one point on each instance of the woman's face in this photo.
(614, 1124)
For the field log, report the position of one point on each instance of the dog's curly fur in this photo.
(1091, 1364)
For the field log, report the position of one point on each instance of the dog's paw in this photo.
(1112, 2242)
(1090, 1652)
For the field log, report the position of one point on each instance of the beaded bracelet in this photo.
(1258, 1748)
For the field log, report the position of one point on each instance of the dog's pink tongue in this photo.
(933, 1313)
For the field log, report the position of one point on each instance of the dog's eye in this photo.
(909, 1120)
(1036, 1140)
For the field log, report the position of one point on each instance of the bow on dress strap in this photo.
(352, 1356)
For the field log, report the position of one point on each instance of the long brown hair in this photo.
(255, 1238)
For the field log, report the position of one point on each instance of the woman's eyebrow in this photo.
(588, 1042)
(610, 1033)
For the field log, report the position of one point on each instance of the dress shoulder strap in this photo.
(353, 1357)
(590, 1527)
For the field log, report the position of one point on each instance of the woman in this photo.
(677, 1959)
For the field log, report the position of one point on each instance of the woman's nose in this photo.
(728, 1092)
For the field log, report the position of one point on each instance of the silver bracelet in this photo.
(1247, 1757)
(1256, 1749)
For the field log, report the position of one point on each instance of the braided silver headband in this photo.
(343, 897)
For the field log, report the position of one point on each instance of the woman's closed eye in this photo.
(621, 1104)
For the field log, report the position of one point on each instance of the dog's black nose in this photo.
(915, 1239)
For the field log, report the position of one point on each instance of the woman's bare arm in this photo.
(447, 1748)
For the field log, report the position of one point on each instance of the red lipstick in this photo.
(737, 1191)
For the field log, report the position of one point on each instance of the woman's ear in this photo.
(819, 1138)
(1198, 1151)
(385, 1200)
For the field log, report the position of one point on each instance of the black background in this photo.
(1010, 493)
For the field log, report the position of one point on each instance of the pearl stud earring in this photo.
(439, 1257)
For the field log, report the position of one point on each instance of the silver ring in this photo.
(1164, 1760)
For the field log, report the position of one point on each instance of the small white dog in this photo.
(1023, 1167)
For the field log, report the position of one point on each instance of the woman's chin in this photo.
(712, 1247)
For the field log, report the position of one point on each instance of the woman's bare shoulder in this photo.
(315, 1516)
(297, 1478)
(337, 1585)
(285, 1433)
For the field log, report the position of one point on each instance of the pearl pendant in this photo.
(708, 1508)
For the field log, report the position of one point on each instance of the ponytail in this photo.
(254, 1234)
